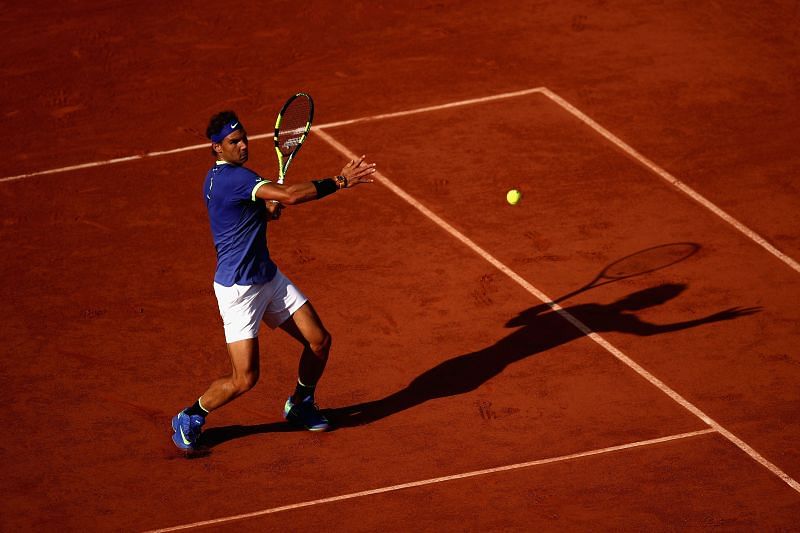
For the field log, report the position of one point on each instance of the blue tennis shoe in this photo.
(305, 414)
(187, 430)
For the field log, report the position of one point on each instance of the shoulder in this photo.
(242, 173)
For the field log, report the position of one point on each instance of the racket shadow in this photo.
(637, 264)
(538, 331)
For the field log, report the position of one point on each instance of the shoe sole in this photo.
(298, 424)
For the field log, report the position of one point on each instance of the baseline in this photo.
(436, 480)
(270, 134)
(583, 328)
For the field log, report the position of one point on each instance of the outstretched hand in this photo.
(357, 172)
(734, 312)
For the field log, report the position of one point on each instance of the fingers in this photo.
(367, 170)
(364, 174)
(748, 310)
(359, 171)
(363, 179)
(364, 168)
(355, 163)
(735, 312)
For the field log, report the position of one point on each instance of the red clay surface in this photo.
(110, 325)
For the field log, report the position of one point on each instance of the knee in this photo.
(246, 381)
(323, 346)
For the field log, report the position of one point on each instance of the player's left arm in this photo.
(354, 173)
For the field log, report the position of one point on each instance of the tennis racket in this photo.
(291, 129)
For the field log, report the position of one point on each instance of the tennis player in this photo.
(249, 286)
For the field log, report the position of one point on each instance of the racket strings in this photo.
(294, 124)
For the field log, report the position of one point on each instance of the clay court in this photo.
(476, 383)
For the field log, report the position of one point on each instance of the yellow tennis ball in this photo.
(513, 196)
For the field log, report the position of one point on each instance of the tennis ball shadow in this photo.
(537, 330)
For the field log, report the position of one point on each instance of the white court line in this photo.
(435, 107)
(103, 163)
(602, 131)
(503, 268)
(433, 481)
(683, 402)
(750, 234)
(271, 134)
(694, 195)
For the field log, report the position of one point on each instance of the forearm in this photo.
(354, 173)
(299, 193)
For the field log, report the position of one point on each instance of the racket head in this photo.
(291, 129)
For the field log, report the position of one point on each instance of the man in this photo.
(249, 286)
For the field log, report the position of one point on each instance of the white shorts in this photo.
(242, 307)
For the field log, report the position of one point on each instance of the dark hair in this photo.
(217, 122)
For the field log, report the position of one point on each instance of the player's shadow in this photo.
(215, 436)
(540, 329)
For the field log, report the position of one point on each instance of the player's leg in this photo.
(290, 310)
(305, 326)
(245, 369)
(241, 308)
(188, 424)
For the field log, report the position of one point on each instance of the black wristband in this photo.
(325, 187)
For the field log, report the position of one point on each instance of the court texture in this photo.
(475, 381)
